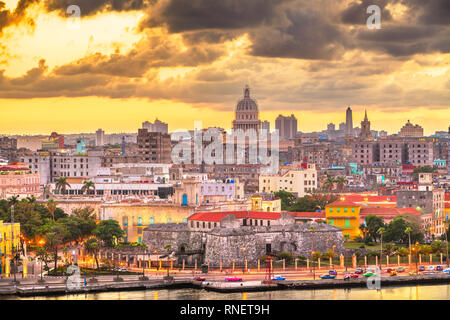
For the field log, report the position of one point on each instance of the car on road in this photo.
(388, 270)
(199, 279)
(430, 268)
(439, 268)
(421, 268)
(332, 272)
(327, 276)
(278, 278)
(369, 274)
(393, 273)
(233, 279)
(359, 271)
(349, 276)
(400, 269)
(446, 271)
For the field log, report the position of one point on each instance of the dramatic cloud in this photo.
(356, 12)
(90, 7)
(186, 15)
(8, 18)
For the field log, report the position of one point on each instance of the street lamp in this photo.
(332, 256)
(243, 267)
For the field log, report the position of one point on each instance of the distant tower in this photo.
(123, 145)
(365, 135)
(349, 122)
(247, 113)
(99, 138)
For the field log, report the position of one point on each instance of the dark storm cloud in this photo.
(356, 13)
(185, 15)
(430, 11)
(8, 17)
(406, 40)
(90, 7)
(306, 36)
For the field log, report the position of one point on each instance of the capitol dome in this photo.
(247, 103)
(247, 114)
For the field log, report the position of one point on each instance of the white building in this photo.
(299, 180)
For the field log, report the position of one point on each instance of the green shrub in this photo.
(286, 256)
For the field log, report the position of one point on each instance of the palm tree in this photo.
(341, 182)
(13, 200)
(380, 231)
(92, 247)
(313, 229)
(61, 185)
(87, 213)
(408, 231)
(88, 186)
(329, 184)
(51, 206)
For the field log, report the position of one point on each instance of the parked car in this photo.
(199, 279)
(430, 268)
(327, 276)
(447, 270)
(278, 278)
(332, 272)
(349, 276)
(388, 270)
(233, 279)
(400, 269)
(439, 268)
(359, 271)
(369, 274)
(393, 273)
(421, 268)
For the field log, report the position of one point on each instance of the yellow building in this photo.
(134, 218)
(344, 215)
(259, 203)
(9, 238)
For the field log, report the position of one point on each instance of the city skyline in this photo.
(131, 61)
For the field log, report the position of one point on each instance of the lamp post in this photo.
(243, 266)
(332, 256)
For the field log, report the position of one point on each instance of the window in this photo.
(331, 222)
(338, 210)
(345, 209)
(347, 223)
(151, 221)
(353, 209)
(139, 221)
(125, 221)
(169, 220)
(331, 210)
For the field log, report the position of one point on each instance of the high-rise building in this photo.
(158, 126)
(331, 127)
(287, 126)
(410, 130)
(266, 125)
(342, 127)
(247, 113)
(349, 122)
(154, 147)
(366, 134)
(99, 138)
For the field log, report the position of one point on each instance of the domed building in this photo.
(247, 113)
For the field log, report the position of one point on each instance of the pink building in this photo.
(16, 179)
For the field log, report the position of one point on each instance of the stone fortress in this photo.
(221, 238)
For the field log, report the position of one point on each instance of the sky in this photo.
(124, 62)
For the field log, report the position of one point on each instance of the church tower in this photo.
(365, 135)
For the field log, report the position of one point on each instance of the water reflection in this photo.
(437, 292)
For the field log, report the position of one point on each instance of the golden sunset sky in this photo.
(180, 61)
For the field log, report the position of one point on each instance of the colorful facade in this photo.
(344, 215)
(9, 239)
(16, 179)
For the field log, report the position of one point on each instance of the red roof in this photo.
(342, 204)
(307, 214)
(264, 215)
(389, 212)
(366, 198)
(447, 197)
(447, 205)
